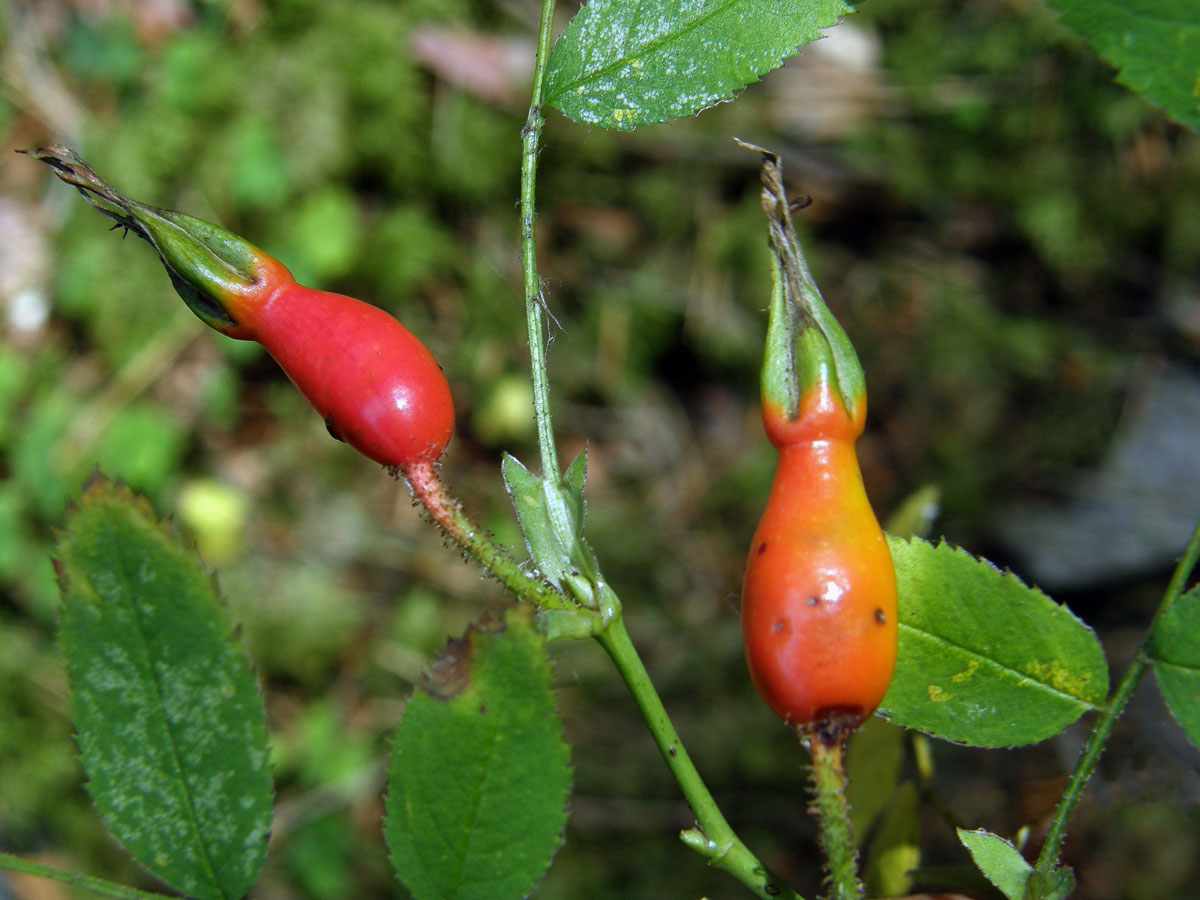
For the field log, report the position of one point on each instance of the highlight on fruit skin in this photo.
(375, 384)
(819, 611)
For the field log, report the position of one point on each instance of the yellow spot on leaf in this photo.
(1059, 677)
(966, 673)
(937, 695)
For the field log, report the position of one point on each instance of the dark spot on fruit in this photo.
(813, 601)
(880, 616)
(482, 709)
(762, 548)
(772, 890)
(673, 751)
(780, 626)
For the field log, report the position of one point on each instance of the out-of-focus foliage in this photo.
(1008, 237)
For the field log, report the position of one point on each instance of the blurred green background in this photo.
(1012, 241)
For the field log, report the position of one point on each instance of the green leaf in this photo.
(1154, 43)
(171, 727)
(551, 516)
(985, 660)
(625, 63)
(1174, 651)
(896, 848)
(999, 861)
(480, 775)
(873, 759)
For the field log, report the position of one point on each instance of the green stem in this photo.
(712, 837)
(448, 513)
(829, 805)
(76, 879)
(531, 136)
(1048, 859)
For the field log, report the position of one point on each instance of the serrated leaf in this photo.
(895, 850)
(480, 774)
(170, 724)
(551, 518)
(1174, 651)
(1154, 43)
(984, 659)
(999, 861)
(625, 63)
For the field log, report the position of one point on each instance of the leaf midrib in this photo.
(647, 48)
(1004, 667)
(173, 747)
(493, 740)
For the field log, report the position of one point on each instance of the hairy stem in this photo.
(1048, 859)
(713, 837)
(829, 805)
(447, 512)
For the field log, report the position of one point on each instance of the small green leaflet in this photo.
(999, 861)
(1154, 43)
(1174, 652)
(873, 758)
(915, 515)
(625, 63)
(480, 773)
(895, 849)
(985, 660)
(169, 721)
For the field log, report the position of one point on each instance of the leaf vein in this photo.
(493, 739)
(124, 566)
(646, 49)
(944, 643)
(1179, 667)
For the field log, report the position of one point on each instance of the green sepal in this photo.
(551, 511)
(806, 348)
(208, 265)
